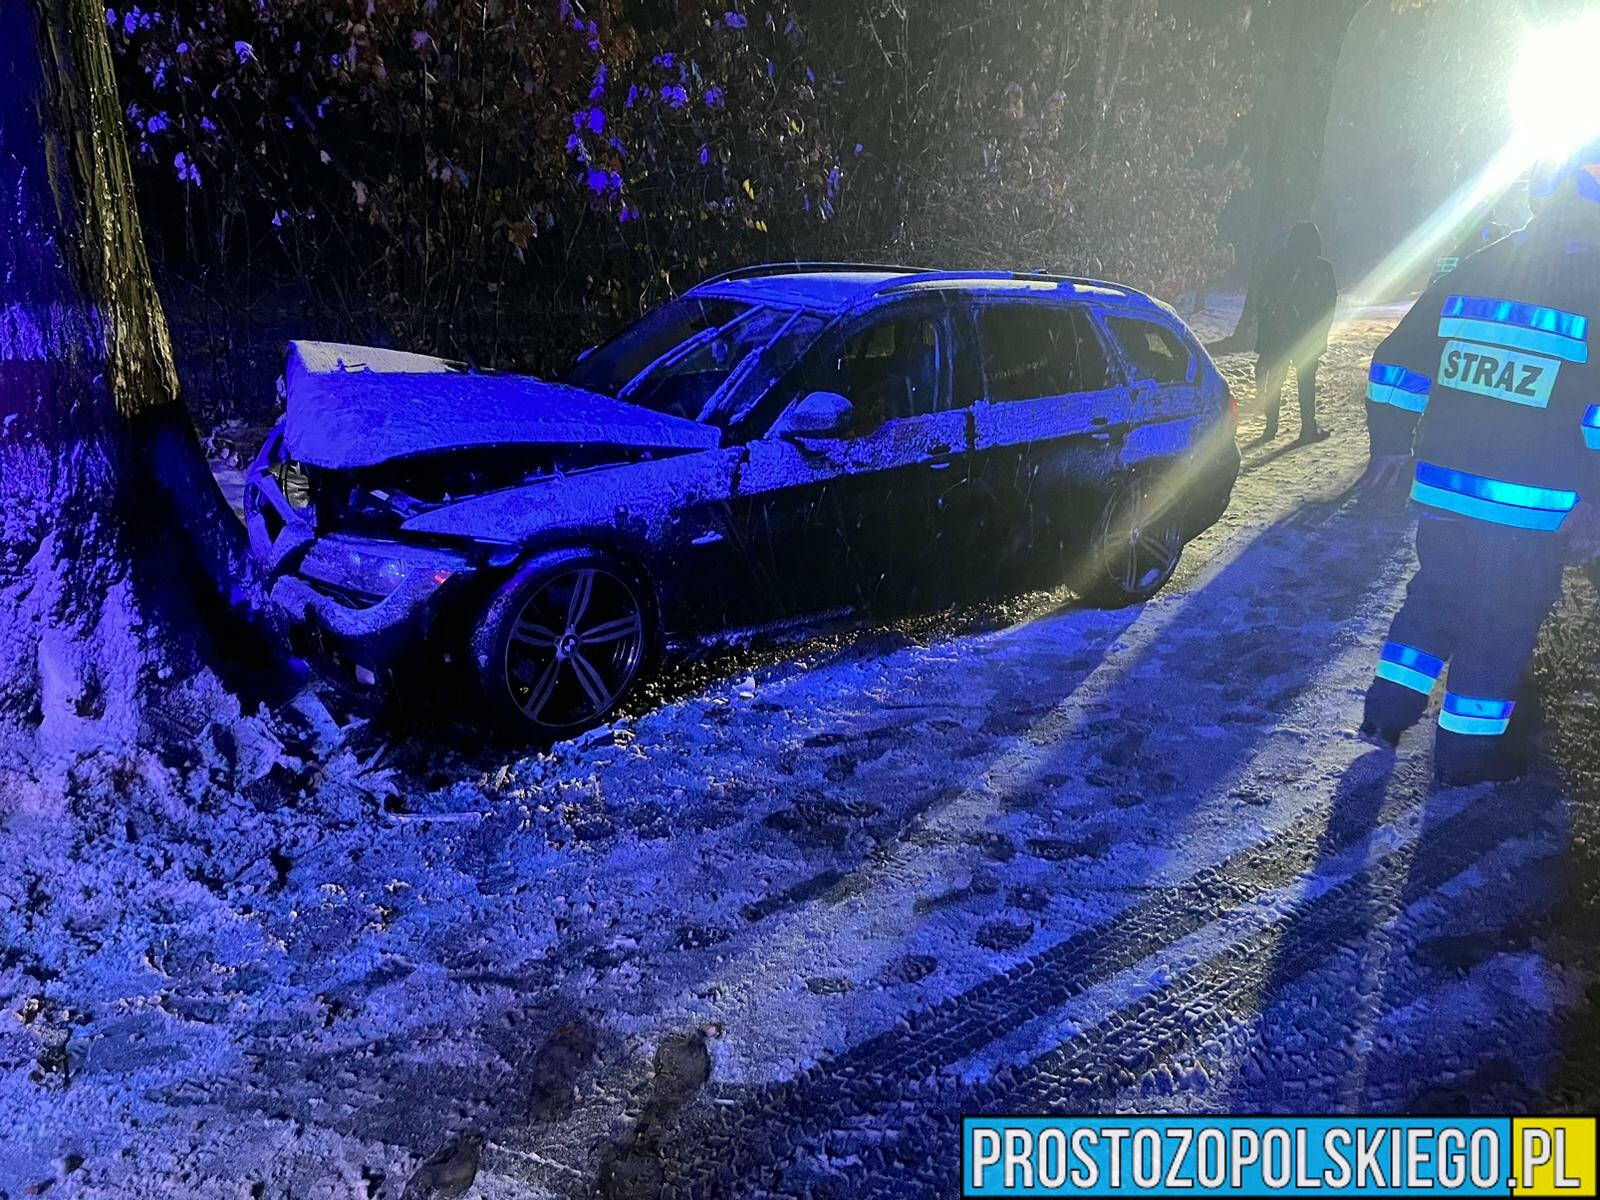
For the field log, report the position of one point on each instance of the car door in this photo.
(1047, 432)
(857, 521)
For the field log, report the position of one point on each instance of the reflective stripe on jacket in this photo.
(1492, 380)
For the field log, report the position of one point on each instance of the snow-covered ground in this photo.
(772, 936)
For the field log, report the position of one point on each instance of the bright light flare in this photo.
(1555, 89)
(1554, 98)
(1423, 244)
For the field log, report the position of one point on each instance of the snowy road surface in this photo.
(775, 935)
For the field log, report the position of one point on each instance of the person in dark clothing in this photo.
(1486, 395)
(1295, 302)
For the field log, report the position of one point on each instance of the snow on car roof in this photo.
(808, 289)
(1013, 283)
(838, 287)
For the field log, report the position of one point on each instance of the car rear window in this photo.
(1153, 351)
(1035, 350)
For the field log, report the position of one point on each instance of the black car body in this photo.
(779, 444)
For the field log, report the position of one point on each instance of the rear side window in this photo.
(1034, 350)
(1154, 351)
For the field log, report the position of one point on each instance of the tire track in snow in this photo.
(732, 1142)
(1124, 1052)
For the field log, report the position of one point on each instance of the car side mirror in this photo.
(819, 415)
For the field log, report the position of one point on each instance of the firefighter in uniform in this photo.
(1489, 392)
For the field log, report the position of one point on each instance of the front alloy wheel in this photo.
(563, 643)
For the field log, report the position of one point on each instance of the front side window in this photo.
(1153, 351)
(890, 371)
(1031, 351)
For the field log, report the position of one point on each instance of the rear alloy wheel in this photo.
(1137, 543)
(563, 643)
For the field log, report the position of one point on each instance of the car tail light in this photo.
(1233, 407)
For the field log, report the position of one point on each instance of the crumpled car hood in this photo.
(358, 406)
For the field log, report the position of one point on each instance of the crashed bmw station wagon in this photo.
(778, 446)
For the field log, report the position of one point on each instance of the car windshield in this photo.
(698, 358)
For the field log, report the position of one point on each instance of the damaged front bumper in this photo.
(367, 599)
(361, 600)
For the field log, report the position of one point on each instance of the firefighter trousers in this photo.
(1470, 619)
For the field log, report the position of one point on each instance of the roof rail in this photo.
(788, 268)
(890, 285)
(910, 277)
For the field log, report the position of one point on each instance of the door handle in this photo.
(1099, 420)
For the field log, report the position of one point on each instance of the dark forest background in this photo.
(509, 180)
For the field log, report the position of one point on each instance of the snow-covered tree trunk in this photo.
(114, 540)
